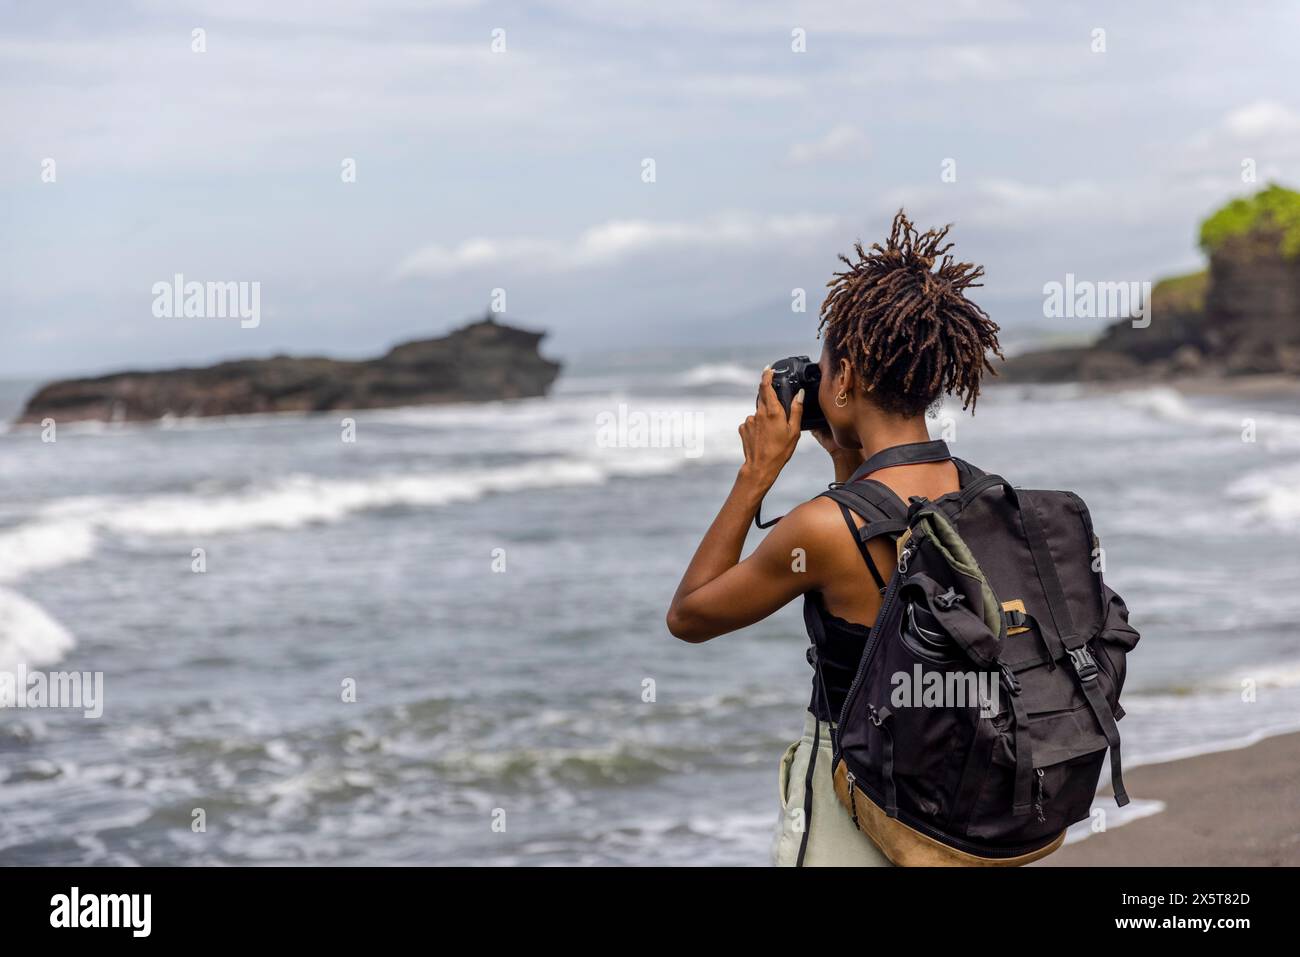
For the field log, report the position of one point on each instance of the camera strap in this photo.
(912, 453)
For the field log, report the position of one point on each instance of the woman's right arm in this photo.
(790, 561)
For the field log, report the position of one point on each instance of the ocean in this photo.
(444, 642)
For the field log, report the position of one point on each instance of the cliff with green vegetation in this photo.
(1239, 316)
(1273, 212)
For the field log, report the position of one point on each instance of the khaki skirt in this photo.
(833, 841)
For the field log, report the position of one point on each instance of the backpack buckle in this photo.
(948, 599)
(1084, 663)
(1009, 676)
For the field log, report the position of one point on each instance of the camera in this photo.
(792, 374)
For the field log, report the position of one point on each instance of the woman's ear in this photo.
(844, 378)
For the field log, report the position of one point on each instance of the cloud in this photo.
(613, 242)
(320, 14)
(1262, 133)
(844, 142)
(1262, 118)
(1013, 206)
(522, 168)
(142, 99)
(823, 19)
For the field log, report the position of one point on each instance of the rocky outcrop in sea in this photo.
(482, 361)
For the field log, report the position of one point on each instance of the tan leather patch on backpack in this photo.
(1015, 605)
(907, 847)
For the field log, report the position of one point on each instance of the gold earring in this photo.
(841, 400)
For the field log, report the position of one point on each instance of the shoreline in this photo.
(1237, 807)
(1243, 387)
(1260, 386)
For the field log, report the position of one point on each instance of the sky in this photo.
(504, 146)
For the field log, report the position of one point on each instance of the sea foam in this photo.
(67, 530)
(28, 635)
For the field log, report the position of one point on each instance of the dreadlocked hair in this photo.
(907, 328)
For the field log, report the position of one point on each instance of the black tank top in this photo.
(840, 650)
(836, 642)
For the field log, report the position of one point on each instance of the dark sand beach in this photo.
(1228, 808)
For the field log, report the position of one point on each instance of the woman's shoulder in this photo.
(817, 517)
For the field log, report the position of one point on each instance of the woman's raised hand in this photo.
(769, 435)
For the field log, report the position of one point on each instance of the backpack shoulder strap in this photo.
(870, 499)
(966, 472)
(882, 511)
(865, 552)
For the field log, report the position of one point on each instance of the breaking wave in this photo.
(28, 635)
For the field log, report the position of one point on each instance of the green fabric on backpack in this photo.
(958, 555)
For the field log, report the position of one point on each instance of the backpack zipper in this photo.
(853, 804)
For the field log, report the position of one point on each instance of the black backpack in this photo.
(998, 614)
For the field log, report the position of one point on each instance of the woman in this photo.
(899, 333)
